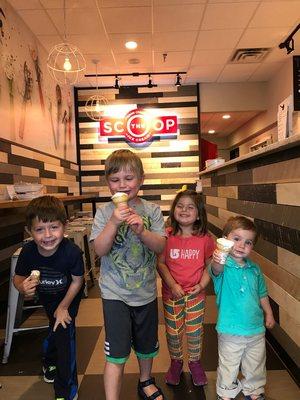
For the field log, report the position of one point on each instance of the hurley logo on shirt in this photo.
(188, 254)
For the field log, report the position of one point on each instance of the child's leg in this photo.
(145, 365)
(231, 349)
(145, 344)
(113, 374)
(174, 312)
(254, 366)
(194, 316)
(65, 382)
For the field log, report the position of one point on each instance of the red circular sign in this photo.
(138, 126)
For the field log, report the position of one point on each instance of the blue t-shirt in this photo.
(55, 272)
(238, 293)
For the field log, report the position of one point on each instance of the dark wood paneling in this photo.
(258, 193)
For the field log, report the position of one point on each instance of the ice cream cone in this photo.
(35, 274)
(224, 246)
(120, 198)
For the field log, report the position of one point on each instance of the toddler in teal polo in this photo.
(244, 311)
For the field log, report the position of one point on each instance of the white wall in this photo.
(44, 128)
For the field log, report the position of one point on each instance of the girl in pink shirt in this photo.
(184, 277)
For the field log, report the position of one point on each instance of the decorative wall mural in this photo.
(34, 111)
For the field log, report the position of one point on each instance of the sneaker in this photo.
(62, 398)
(174, 372)
(49, 373)
(198, 375)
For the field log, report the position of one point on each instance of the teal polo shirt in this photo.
(238, 293)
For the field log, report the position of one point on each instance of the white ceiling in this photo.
(198, 36)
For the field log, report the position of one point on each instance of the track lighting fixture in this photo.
(138, 74)
(288, 44)
(178, 80)
(150, 84)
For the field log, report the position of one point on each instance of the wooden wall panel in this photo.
(169, 162)
(266, 190)
(21, 164)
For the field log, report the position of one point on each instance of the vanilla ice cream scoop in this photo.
(119, 198)
(35, 274)
(224, 246)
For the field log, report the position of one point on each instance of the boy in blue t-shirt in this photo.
(60, 264)
(242, 301)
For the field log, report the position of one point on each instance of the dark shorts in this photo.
(127, 326)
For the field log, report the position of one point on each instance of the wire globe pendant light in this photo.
(95, 105)
(65, 61)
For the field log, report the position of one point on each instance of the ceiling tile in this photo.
(237, 72)
(263, 37)
(219, 39)
(210, 57)
(204, 73)
(26, 5)
(122, 20)
(145, 61)
(177, 18)
(90, 44)
(124, 3)
(177, 2)
(228, 16)
(38, 21)
(174, 41)
(265, 71)
(174, 58)
(78, 21)
(276, 14)
(49, 41)
(118, 40)
(105, 64)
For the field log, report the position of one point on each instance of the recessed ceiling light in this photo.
(226, 116)
(211, 131)
(131, 45)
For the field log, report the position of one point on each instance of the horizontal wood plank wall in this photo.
(267, 190)
(168, 163)
(22, 164)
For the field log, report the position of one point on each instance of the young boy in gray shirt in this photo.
(127, 238)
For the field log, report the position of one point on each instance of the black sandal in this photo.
(148, 382)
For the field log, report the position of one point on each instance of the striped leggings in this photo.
(185, 315)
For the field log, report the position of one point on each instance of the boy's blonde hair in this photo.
(123, 159)
(240, 222)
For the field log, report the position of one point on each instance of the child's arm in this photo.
(61, 313)
(26, 286)
(152, 240)
(269, 318)
(202, 284)
(163, 270)
(216, 266)
(105, 239)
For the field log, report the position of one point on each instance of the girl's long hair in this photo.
(200, 225)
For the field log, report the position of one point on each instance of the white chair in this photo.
(15, 309)
(79, 234)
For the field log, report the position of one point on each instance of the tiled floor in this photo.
(21, 378)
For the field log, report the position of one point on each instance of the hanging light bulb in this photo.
(95, 105)
(67, 64)
(98, 106)
(65, 61)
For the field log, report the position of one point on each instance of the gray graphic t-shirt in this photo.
(128, 271)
